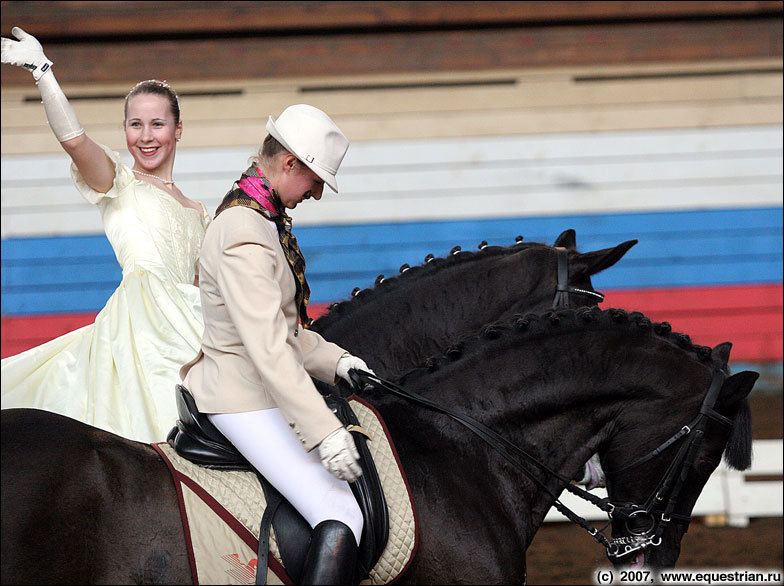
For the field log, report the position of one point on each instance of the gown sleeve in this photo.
(123, 177)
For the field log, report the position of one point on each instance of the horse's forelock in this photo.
(737, 453)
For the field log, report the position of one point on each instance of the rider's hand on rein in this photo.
(348, 362)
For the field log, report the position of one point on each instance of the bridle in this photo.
(658, 509)
(670, 484)
(563, 289)
(642, 522)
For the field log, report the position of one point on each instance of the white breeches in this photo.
(271, 446)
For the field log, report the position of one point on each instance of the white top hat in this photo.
(311, 136)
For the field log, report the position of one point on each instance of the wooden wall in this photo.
(399, 70)
(452, 104)
(105, 42)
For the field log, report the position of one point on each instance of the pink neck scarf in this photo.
(259, 189)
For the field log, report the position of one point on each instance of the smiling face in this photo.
(151, 133)
(296, 182)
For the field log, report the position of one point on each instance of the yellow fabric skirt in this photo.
(119, 373)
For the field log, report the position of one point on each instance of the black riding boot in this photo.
(332, 557)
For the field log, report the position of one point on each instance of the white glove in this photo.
(346, 363)
(27, 52)
(339, 455)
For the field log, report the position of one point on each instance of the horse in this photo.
(403, 320)
(83, 505)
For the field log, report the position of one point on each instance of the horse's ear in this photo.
(598, 260)
(721, 352)
(736, 388)
(567, 239)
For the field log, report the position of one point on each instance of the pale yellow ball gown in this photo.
(119, 373)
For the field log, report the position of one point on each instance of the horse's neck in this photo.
(555, 397)
(422, 315)
(562, 442)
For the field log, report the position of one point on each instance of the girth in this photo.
(195, 438)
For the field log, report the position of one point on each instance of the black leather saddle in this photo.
(195, 438)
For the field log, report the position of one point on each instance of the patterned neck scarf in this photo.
(254, 191)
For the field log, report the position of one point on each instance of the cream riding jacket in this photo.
(254, 353)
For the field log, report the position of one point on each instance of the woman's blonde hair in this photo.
(269, 149)
(156, 87)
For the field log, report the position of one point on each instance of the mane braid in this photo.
(363, 297)
(534, 325)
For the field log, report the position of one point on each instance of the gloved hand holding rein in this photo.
(348, 362)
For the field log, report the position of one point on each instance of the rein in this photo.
(672, 481)
(504, 447)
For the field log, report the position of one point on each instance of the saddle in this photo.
(196, 439)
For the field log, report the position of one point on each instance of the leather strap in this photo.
(563, 289)
(274, 499)
(504, 447)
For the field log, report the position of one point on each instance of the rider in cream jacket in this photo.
(255, 354)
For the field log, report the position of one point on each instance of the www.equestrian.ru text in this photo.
(706, 576)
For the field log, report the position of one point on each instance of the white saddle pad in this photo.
(221, 514)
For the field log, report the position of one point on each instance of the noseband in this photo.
(563, 289)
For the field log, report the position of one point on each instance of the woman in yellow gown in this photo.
(119, 372)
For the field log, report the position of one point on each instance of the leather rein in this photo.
(642, 521)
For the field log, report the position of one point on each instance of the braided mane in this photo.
(409, 276)
(533, 325)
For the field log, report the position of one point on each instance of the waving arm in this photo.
(25, 51)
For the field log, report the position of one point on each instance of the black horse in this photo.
(406, 319)
(82, 505)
